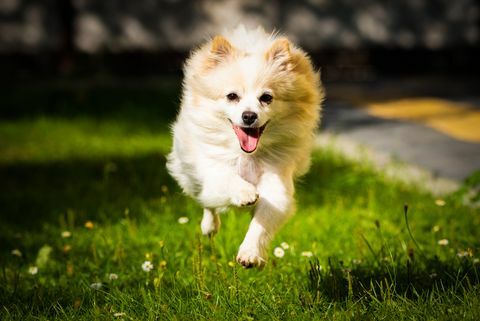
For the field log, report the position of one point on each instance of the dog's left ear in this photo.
(279, 52)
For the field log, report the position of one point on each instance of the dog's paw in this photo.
(244, 194)
(251, 257)
(210, 224)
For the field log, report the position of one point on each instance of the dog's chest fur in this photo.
(249, 169)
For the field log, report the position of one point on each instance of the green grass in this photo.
(74, 155)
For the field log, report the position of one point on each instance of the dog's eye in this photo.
(266, 98)
(232, 97)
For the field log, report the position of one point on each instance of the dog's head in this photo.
(251, 84)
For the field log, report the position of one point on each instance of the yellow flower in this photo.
(440, 202)
(66, 234)
(163, 264)
(89, 225)
(66, 248)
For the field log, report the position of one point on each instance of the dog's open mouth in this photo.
(248, 137)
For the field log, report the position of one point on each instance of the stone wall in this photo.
(161, 25)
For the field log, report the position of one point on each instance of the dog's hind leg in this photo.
(210, 222)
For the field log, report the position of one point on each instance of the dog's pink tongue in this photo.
(247, 137)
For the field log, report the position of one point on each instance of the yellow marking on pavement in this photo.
(458, 120)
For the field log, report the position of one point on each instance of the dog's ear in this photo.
(279, 52)
(221, 47)
(220, 50)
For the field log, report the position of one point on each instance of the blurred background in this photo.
(350, 40)
(401, 76)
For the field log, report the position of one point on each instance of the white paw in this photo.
(251, 257)
(210, 224)
(243, 194)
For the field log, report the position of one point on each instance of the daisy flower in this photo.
(96, 285)
(307, 253)
(278, 252)
(113, 276)
(285, 245)
(147, 266)
(443, 242)
(33, 270)
(183, 220)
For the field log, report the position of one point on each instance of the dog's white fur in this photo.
(206, 158)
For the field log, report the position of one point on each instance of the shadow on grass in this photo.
(386, 280)
(32, 194)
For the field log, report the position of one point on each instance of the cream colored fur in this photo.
(206, 158)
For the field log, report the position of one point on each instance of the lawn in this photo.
(85, 201)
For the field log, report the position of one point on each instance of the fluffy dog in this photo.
(245, 130)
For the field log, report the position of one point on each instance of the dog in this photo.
(249, 110)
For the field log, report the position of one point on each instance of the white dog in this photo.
(245, 130)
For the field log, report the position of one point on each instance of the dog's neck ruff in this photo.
(249, 169)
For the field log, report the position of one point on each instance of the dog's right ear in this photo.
(220, 50)
(221, 47)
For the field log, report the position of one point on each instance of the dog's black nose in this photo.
(249, 117)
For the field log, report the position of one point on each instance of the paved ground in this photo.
(431, 123)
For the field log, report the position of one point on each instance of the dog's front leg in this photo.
(275, 205)
(223, 187)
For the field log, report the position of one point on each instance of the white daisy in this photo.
(113, 276)
(443, 242)
(33, 270)
(96, 285)
(147, 266)
(278, 252)
(307, 253)
(183, 220)
(285, 245)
